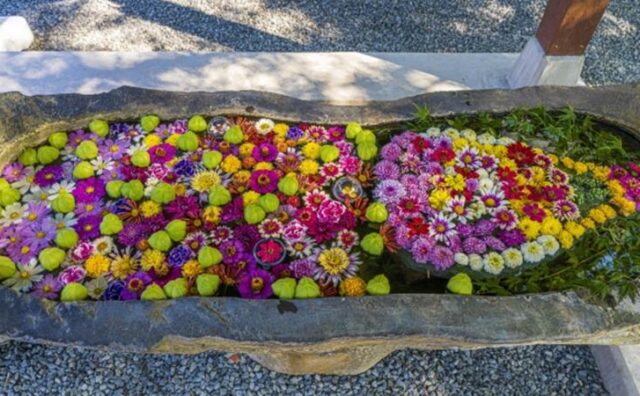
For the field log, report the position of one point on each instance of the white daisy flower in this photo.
(65, 220)
(505, 141)
(151, 183)
(36, 194)
(25, 276)
(264, 126)
(469, 134)
(461, 259)
(433, 132)
(135, 147)
(56, 189)
(512, 258)
(486, 138)
(25, 184)
(533, 252)
(549, 243)
(13, 214)
(452, 133)
(485, 185)
(101, 166)
(493, 263)
(475, 262)
(301, 248)
(103, 245)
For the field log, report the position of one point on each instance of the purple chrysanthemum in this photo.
(294, 133)
(441, 257)
(473, 245)
(512, 238)
(48, 175)
(389, 191)
(179, 255)
(386, 170)
(302, 268)
(494, 243)
(421, 249)
(390, 152)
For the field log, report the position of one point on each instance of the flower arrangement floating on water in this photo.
(485, 206)
(165, 210)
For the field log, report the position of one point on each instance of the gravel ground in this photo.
(348, 25)
(31, 369)
(282, 25)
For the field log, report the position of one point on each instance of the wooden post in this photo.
(568, 25)
(555, 56)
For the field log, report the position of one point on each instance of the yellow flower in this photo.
(242, 176)
(212, 214)
(566, 240)
(353, 287)
(553, 158)
(538, 175)
(597, 215)
(574, 229)
(500, 151)
(123, 266)
(626, 206)
(311, 150)
(231, 164)
(459, 143)
(567, 162)
(508, 163)
(530, 228)
(250, 197)
(438, 199)
(152, 259)
(551, 226)
(246, 149)
(616, 188)
(601, 173)
(263, 166)
(150, 208)
(204, 181)
(180, 189)
(580, 167)
(281, 129)
(309, 167)
(152, 140)
(191, 268)
(455, 182)
(588, 223)
(96, 265)
(334, 261)
(173, 162)
(608, 211)
(173, 139)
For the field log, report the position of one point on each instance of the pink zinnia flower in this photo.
(269, 251)
(265, 152)
(534, 211)
(264, 181)
(162, 153)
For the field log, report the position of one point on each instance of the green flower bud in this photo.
(253, 214)
(329, 153)
(9, 196)
(58, 140)
(133, 190)
(284, 288)
(111, 224)
(113, 188)
(4, 185)
(197, 123)
(207, 284)
(47, 154)
(163, 193)
(188, 142)
(51, 258)
(99, 127)
(219, 196)
(160, 240)
(87, 150)
(141, 159)
(366, 136)
(74, 292)
(378, 285)
(63, 203)
(307, 288)
(367, 151)
(372, 243)
(177, 230)
(83, 170)
(67, 238)
(460, 284)
(153, 292)
(288, 185)
(208, 256)
(353, 129)
(377, 212)
(211, 159)
(149, 122)
(176, 288)
(269, 202)
(28, 157)
(7, 267)
(234, 135)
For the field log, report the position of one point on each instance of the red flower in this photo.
(420, 144)
(534, 211)
(521, 153)
(443, 155)
(417, 226)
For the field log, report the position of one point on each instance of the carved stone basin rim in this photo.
(332, 335)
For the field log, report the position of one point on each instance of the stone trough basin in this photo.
(325, 336)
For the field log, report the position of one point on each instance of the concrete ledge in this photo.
(620, 368)
(15, 34)
(337, 77)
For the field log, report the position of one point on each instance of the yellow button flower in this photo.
(96, 265)
(551, 226)
(152, 140)
(311, 150)
(309, 167)
(231, 164)
(566, 239)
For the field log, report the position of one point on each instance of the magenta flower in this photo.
(269, 251)
(14, 172)
(256, 284)
(441, 257)
(264, 181)
(162, 153)
(48, 175)
(88, 227)
(74, 273)
(89, 190)
(265, 152)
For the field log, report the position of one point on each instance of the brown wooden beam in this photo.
(568, 25)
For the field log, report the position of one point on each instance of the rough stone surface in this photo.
(304, 335)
